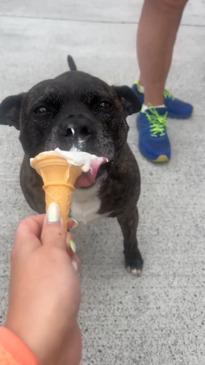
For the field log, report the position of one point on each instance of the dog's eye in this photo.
(104, 105)
(41, 110)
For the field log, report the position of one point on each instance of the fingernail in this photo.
(53, 213)
(75, 223)
(75, 265)
(72, 245)
(72, 224)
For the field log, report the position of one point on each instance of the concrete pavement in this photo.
(157, 319)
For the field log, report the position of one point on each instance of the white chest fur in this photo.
(85, 204)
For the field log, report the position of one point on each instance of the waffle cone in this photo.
(59, 179)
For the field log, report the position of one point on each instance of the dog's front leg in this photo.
(128, 222)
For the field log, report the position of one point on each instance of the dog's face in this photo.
(74, 111)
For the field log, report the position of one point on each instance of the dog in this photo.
(77, 111)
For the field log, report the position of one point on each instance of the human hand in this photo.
(45, 290)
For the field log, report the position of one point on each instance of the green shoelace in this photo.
(158, 123)
(168, 94)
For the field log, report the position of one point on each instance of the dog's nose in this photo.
(78, 127)
(81, 132)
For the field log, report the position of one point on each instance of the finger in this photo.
(28, 234)
(72, 224)
(76, 262)
(53, 233)
(71, 246)
(71, 250)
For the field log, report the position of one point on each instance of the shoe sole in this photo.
(161, 159)
(158, 160)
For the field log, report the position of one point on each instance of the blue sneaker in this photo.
(153, 139)
(176, 108)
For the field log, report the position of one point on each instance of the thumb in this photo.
(53, 233)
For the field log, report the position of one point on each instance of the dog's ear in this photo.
(10, 110)
(129, 100)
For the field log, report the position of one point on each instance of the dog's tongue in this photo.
(88, 178)
(90, 165)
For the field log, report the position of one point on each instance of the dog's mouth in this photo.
(89, 178)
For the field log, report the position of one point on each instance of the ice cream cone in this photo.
(59, 179)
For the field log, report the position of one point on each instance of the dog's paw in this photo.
(134, 263)
(134, 271)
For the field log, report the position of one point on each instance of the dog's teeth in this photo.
(73, 131)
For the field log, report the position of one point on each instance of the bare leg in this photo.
(156, 36)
